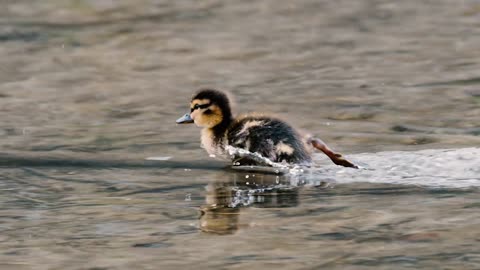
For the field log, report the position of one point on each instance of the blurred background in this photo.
(90, 88)
(366, 76)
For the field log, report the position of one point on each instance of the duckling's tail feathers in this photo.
(335, 157)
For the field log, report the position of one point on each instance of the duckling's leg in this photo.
(335, 157)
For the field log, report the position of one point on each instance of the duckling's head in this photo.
(209, 108)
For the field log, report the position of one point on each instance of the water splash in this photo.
(435, 168)
(263, 164)
(236, 153)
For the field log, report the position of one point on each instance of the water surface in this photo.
(89, 89)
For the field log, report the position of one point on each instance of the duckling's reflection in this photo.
(226, 198)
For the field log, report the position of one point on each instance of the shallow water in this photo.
(89, 89)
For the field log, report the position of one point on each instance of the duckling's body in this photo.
(270, 137)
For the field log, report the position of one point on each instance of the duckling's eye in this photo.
(200, 107)
(194, 108)
(204, 106)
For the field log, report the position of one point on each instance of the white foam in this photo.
(235, 152)
(438, 168)
(158, 158)
(447, 168)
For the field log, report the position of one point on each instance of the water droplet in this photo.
(247, 176)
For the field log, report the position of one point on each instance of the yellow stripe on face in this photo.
(204, 113)
(199, 102)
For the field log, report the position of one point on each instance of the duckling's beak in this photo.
(186, 119)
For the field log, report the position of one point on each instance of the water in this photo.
(90, 89)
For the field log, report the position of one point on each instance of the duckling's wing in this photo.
(271, 138)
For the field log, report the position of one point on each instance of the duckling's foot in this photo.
(335, 157)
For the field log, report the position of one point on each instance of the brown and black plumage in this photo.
(268, 136)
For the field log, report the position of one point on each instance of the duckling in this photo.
(270, 137)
